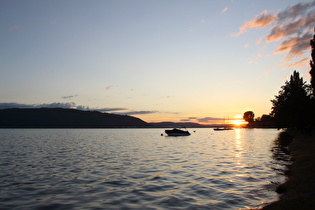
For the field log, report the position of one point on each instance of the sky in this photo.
(159, 60)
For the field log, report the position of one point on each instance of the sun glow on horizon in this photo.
(238, 120)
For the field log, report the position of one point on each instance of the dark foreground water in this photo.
(137, 168)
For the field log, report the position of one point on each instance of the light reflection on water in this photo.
(136, 168)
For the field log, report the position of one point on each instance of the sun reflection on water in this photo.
(238, 146)
(237, 133)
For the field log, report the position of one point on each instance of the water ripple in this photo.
(136, 168)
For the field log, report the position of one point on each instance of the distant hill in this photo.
(178, 125)
(65, 118)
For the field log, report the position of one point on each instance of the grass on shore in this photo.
(298, 192)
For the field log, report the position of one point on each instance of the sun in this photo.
(238, 120)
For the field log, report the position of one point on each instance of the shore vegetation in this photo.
(294, 109)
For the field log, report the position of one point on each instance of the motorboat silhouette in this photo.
(177, 132)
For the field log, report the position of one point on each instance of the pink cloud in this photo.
(262, 20)
(282, 30)
(293, 25)
(259, 40)
(299, 64)
(224, 10)
(295, 46)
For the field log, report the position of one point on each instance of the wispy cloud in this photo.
(109, 87)
(259, 40)
(224, 10)
(136, 112)
(188, 119)
(109, 109)
(208, 119)
(293, 25)
(300, 64)
(294, 46)
(68, 97)
(201, 120)
(71, 105)
(262, 20)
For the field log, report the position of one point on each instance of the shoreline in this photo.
(298, 191)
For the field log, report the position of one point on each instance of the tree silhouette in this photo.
(291, 106)
(249, 116)
(312, 64)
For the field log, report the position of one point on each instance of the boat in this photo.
(222, 128)
(177, 132)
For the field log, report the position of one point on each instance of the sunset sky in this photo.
(159, 60)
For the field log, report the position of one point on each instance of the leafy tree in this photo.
(291, 106)
(249, 116)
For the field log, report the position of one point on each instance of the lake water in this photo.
(137, 168)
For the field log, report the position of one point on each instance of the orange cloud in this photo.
(295, 46)
(283, 30)
(262, 20)
(294, 25)
(224, 10)
(300, 64)
(259, 40)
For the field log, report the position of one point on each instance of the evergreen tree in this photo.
(312, 64)
(291, 107)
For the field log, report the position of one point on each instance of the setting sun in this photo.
(238, 120)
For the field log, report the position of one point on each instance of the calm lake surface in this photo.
(137, 168)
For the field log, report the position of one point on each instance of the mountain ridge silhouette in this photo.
(65, 118)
